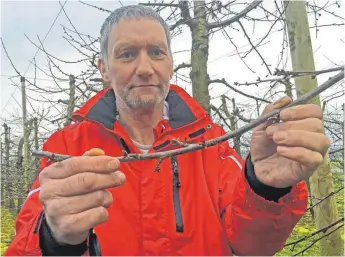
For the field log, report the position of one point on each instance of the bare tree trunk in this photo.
(19, 166)
(321, 183)
(288, 89)
(237, 140)
(199, 55)
(2, 175)
(344, 138)
(5, 173)
(37, 160)
(71, 100)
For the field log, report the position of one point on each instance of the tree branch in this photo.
(3, 45)
(160, 4)
(284, 73)
(99, 8)
(236, 90)
(182, 65)
(336, 150)
(256, 50)
(323, 236)
(316, 232)
(214, 108)
(194, 147)
(185, 15)
(326, 197)
(237, 17)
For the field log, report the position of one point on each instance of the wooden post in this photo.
(26, 160)
(321, 183)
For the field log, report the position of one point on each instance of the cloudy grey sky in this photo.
(40, 19)
(36, 18)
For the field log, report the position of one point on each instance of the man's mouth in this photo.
(143, 86)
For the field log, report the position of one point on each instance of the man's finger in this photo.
(301, 155)
(79, 203)
(310, 124)
(316, 142)
(76, 165)
(70, 225)
(83, 183)
(301, 112)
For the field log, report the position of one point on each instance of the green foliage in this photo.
(7, 228)
(306, 226)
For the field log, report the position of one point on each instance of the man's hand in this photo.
(73, 193)
(286, 153)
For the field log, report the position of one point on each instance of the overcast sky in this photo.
(36, 18)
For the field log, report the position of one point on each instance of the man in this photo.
(207, 202)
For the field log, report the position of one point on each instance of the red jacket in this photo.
(199, 203)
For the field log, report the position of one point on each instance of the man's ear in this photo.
(103, 70)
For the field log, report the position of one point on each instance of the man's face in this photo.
(139, 63)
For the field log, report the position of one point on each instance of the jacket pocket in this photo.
(176, 195)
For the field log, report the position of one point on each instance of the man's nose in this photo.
(144, 67)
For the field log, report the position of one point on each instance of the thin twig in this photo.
(194, 147)
(223, 81)
(235, 18)
(3, 45)
(336, 150)
(326, 197)
(304, 73)
(182, 65)
(288, 75)
(324, 229)
(99, 8)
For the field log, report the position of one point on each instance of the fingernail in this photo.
(121, 176)
(279, 136)
(270, 130)
(282, 102)
(282, 149)
(286, 114)
(114, 164)
(276, 103)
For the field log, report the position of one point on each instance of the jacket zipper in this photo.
(176, 195)
(38, 222)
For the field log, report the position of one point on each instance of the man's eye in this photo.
(156, 52)
(127, 55)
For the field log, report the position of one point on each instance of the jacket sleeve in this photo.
(26, 241)
(257, 221)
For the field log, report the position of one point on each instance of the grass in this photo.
(7, 229)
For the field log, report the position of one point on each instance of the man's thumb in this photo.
(271, 107)
(276, 105)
